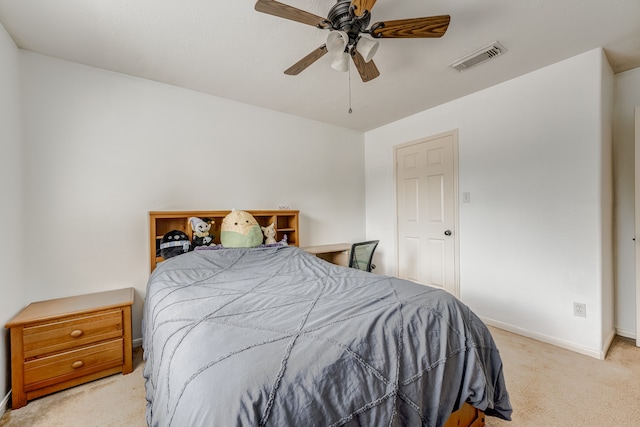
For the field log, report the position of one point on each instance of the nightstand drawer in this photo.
(72, 332)
(71, 364)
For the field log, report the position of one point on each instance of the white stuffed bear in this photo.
(269, 234)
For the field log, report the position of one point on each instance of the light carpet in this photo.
(114, 401)
(549, 387)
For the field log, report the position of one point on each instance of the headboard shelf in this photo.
(161, 222)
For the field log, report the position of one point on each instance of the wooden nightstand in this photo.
(64, 342)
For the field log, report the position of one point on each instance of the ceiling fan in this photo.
(347, 22)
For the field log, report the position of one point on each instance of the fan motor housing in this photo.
(343, 19)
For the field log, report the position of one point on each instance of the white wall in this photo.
(103, 149)
(12, 289)
(627, 98)
(607, 288)
(531, 240)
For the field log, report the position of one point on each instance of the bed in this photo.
(274, 336)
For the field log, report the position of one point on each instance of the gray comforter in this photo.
(277, 337)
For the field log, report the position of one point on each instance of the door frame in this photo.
(637, 220)
(456, 204)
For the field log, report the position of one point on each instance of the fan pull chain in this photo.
(349, 70)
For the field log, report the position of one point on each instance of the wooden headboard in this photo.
(161, 222)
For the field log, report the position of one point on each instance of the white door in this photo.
(426, 197)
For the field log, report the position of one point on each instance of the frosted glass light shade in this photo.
(340, 62)
(337, 41)
(367, 48)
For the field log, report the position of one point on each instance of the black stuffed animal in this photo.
(174, 243)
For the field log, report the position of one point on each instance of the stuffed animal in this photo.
(269, 234)
(174, 243)
(240, 230)
(200, 230)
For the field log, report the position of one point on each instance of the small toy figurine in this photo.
(269, 234)
(201, 235)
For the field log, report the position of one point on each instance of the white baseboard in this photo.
(626, 334)
(568, 345)
(137, 342)
(4, 405)
(608, 342)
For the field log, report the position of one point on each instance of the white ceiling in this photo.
(227, 49)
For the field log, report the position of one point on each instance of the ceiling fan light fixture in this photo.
(340, 62)
(337, 41)
(367, 48)
(347, 21)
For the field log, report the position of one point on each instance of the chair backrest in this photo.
(361, 255)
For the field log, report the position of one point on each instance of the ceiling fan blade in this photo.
(301, 65)
(368, 70)
(359, 6)
(282, 10)
(433, 26)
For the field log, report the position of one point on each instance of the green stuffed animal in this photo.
(240, 230)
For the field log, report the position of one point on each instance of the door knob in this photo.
(447, 233)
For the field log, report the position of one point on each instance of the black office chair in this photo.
(361, 255)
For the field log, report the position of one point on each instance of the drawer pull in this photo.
(78, 364)
(76, 333)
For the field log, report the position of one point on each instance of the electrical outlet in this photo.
(579, 309)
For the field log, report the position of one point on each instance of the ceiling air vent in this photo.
(479, 56)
